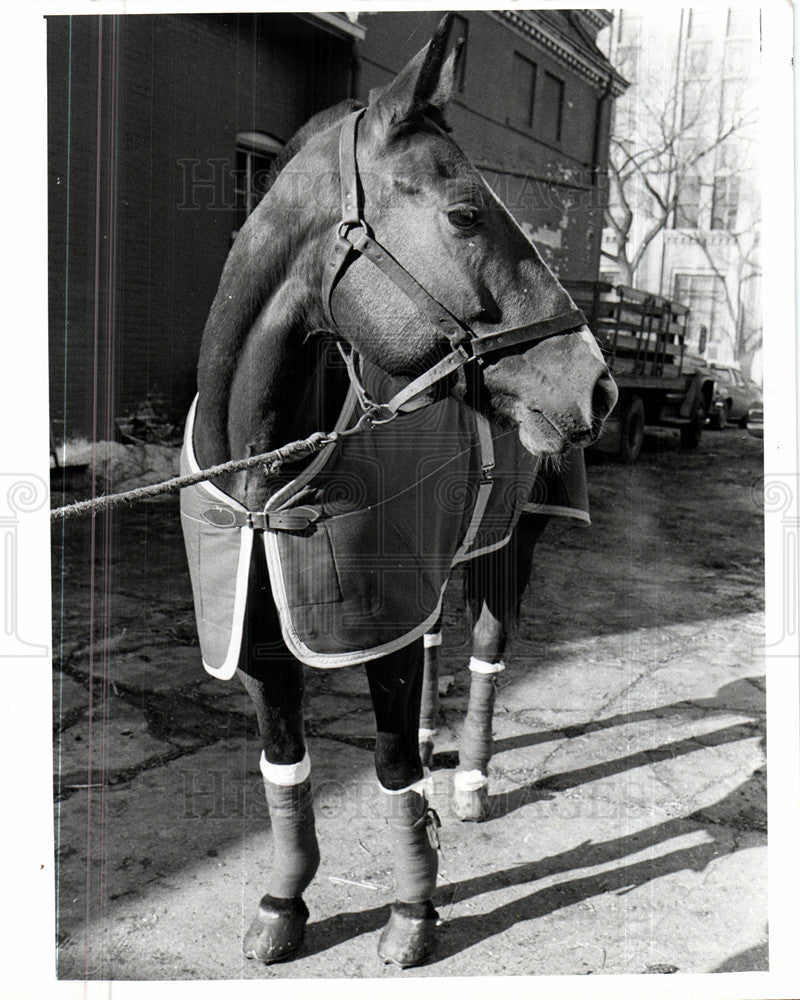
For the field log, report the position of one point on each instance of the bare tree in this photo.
(737, 265)
(659, 144)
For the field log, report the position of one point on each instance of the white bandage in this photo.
(286, 774)
(469, 781)
(427, 735)
(482, 667)
(423, 787)
(432, 639)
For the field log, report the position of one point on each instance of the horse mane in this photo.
(253, 270)
(247, 281)
(316, 124)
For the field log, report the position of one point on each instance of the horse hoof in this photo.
(277, 931)
(410, 936)
(426, 752)
(471, 806)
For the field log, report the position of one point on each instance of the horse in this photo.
(493, 587)
(376, 235)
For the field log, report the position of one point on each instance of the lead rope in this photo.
(271, 460)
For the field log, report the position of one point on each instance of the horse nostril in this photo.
(490, 313)
(604, 397)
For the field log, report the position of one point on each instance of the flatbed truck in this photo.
(643, 337)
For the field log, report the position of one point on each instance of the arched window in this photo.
(255, 154)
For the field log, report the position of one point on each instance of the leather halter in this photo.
(353, 236)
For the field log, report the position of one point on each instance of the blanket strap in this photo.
(291, 519)
(486, 446)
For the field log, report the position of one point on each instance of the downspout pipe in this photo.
(598, 125)
(595, 180)
(355, 70)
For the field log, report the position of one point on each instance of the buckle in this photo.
(292, 519)
(344, 229)
(379, 413)
(464, 348)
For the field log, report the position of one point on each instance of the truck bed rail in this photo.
(641, 333)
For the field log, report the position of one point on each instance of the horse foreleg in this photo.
(429, 708)
(274, 681)
(471, 780)
(279, 925)
(493, 586)
(395, 683)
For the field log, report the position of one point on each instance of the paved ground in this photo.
(629, 807)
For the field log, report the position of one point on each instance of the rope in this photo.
(291, 452)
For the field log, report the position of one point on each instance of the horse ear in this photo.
(446, 87)
(425, 82)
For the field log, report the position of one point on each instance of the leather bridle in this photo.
(353, 236)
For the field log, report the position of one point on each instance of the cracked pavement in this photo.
(628, 790)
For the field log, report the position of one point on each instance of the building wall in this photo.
(554, 189)
(143, 114)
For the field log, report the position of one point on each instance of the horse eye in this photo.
(465, 217)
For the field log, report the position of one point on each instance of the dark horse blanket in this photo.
(360, 545)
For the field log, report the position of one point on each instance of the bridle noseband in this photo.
(353, 236)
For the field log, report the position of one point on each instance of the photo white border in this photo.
(27, 849)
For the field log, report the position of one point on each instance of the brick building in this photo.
(160, 128)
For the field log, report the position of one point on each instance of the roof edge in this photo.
(599, 72)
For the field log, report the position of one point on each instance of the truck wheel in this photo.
(721, 416)
(691, 433)
(631, 436)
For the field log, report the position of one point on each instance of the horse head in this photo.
(436, 216)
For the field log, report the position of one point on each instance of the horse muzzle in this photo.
(559, 392)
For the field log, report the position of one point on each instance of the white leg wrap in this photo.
(423, 787)
(469, 781)
(286, 774)
(482, 667)
(432, 639)
(427, 734)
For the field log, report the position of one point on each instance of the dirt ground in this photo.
(628, 827)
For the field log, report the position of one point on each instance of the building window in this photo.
(704, 22)
(255, 154)
(740, 21)
(461, 30)
(552, 107)
(725, 203)
(731, 105)
(704, 294)
(627, 59)
(687, 209)
(628, 26)
(729, 156)
(691, 107)
(697, 59)
(523, 91)
(736, 59)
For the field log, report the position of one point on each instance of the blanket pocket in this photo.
(309, 568)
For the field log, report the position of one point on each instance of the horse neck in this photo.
(258, 372)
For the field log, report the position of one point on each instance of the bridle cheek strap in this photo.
(354, 237)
